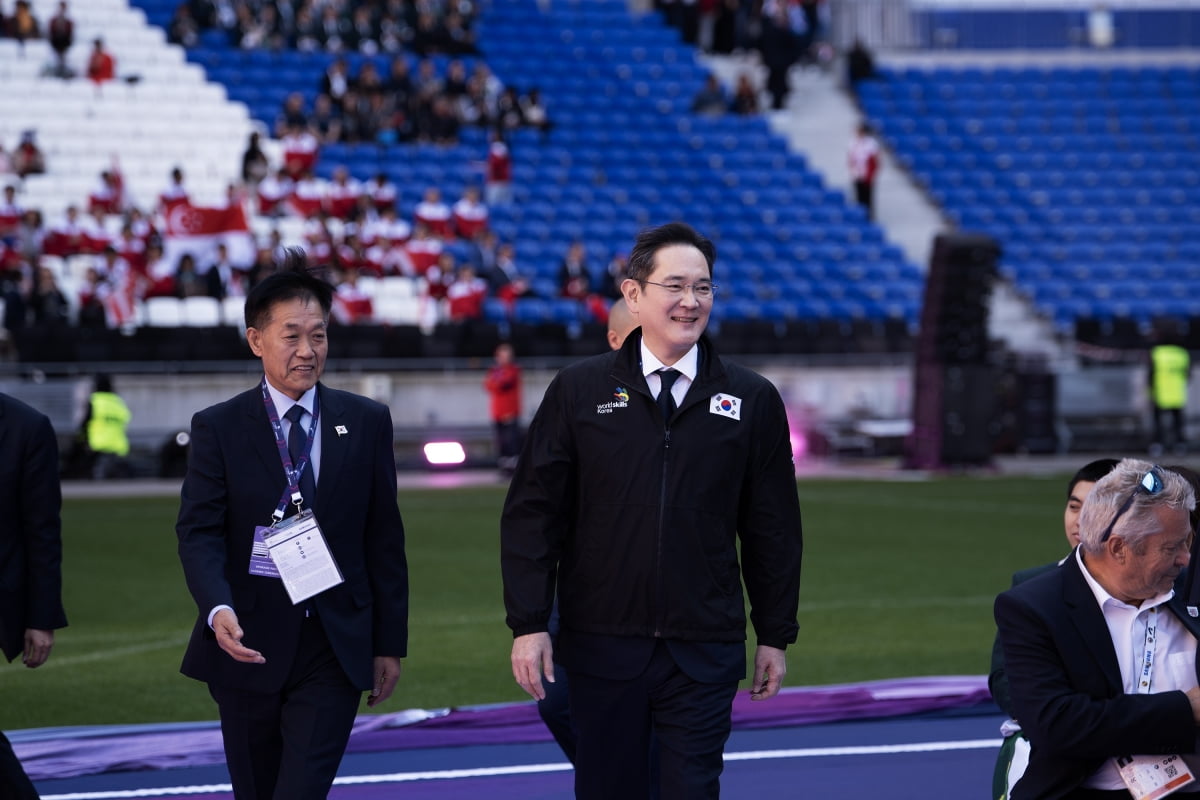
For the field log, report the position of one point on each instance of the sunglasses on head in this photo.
(1151, 483)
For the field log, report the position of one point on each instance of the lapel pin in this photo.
(341, 430)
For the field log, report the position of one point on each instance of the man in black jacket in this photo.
(642, 470)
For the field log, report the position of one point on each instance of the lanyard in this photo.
(290, 471)
(1143, 686)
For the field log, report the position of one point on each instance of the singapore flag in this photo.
(198, 230)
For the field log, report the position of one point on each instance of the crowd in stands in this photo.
(425, 27)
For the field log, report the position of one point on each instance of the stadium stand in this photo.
(1087, 176)
(625, 152)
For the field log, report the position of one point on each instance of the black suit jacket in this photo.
(1066, 685)
(30, 526)
(234, 481)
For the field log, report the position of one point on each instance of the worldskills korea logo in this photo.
(620, 400)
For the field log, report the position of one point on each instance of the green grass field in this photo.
(898, 580)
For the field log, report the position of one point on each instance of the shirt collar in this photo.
(283, 403)
(687, 366)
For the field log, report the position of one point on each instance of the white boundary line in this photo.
(531, 769)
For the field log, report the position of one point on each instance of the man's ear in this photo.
(254, 339)
(632, 291)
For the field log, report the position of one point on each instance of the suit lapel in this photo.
(1088, 619)
(262, 440)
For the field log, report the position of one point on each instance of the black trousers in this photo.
(287, 746)
(615, 721)
(14, 783)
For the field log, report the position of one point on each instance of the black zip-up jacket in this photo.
(639, 520)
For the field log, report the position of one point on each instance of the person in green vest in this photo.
(105, 427)
(1170, 365)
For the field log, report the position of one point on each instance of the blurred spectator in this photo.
(160, 273)
(351, 305)
(534, 113)
(433, 212)
(254, 161)
(506, 280)
(423, 248)
(382, 192)
(92, 292)
(503, 385)
(335, 81)
(22, 25)
(61, 33)
(308, 195)
(863, 158)
(498, 173)
(223, 278)
(31, 235)
(470, 215)
(465, 294)
(28, 159)
(711, 98)
(509, 115)
(443, 122)
(101, 65)
(616, 272)
(325, 122)
(574, 279)
(175, 192)
(273, 192)
(47, 303)
(10, 214)
(342, 194)
(292, 116)
(300, 151)
(779, 49)
(745, 96)
(189, 283)
(109, 196)
(860, 64)
(69, 236)
(183, 29)
(439, 277)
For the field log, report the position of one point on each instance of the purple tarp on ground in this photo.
(67, 752)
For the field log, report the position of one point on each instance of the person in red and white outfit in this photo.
(308, 195)
(342, 194)
(470, 215)
(498, 172)
(273, 191)
(864, 166)
(434, 213)
(465, 294)
(382, 192)
(351, 305)
(300, 150)
(175, 192)
(423, 249)
(386, 225)
(10, 213)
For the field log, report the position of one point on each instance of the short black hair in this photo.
(292, 279)
(1091, 472)
(651, 240)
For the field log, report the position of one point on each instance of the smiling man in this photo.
(642, 471)
(1101, 652)
(292, 459)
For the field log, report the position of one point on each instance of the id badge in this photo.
(300, 553)
(260, 557)
(1152, 777)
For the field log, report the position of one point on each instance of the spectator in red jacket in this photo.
(503, 385)
(101, 66)
(864, 165)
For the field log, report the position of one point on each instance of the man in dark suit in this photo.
(1100, 652)
(30, 554)
(1015, 746)
(288, 676)
(643, 471)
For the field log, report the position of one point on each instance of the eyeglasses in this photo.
(703, 290)
(1151, 483)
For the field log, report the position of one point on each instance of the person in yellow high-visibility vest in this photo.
(1170, 365)
(105, 428)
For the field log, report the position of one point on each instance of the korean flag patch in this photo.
(726, 405)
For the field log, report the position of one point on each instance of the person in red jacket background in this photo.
(503, 384)
(864, 166)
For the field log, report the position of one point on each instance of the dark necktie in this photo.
(666, 401)
(297, 442)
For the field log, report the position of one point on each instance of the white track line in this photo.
(530, 769)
